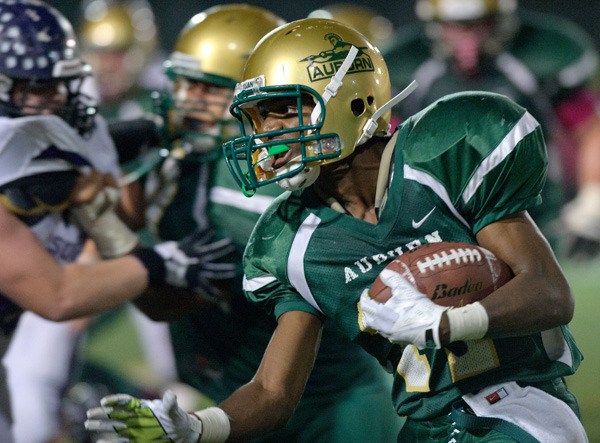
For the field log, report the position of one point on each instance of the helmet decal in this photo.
(326, 63)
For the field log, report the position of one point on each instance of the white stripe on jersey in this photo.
(257, 283)
(436, 186)
(295, 266)
(526, 125)
(231, 197)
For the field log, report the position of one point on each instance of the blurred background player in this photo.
(545, 64)
(119, 39)
(219, 349)
(32, 96)
(37, 340)
(377, 28)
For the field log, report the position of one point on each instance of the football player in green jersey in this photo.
(220, 348)
(358, 197)
(544, 63)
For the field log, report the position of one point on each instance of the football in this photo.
(449, 273)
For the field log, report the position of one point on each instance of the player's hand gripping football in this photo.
(123, 418)
(197, 260)
(408, 317)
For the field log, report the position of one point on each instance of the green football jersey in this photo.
(468, 160)
(219, 349)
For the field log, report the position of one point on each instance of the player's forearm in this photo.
(268, 401)
(87, 289)
(254, 412)
(538, 297)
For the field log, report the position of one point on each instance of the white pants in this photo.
(541, 415)
(38, 367)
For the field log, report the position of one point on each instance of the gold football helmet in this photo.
(212, 48)
(342, 74)
(499, 13)
(119, 39)
(377, 28)
(462, 10)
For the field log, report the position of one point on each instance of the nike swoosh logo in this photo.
(417, 225)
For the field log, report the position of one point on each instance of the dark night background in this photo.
(171, 15)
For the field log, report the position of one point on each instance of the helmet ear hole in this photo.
(357, 106)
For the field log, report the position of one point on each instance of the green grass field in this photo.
(116, 347)
(585, 281)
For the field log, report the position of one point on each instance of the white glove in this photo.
(100, 222)
(408, 317)
(123, 418)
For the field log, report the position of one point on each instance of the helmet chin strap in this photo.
(334, 84)
(371, 124)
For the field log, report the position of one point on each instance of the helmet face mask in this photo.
(303, 142)
(206, 64)
(303, 59)
(40, 68)
(198, 117)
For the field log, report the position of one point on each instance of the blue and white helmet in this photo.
(37, 46)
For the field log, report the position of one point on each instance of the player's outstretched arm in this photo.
(268, 401)
(263, 404)
(33, 279)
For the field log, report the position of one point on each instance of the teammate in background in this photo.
(475, 162)
(119, 40)
(378, 29)
(544, 63)
(58, 169)
(219, 349)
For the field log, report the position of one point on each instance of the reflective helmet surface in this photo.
(119, 39)
(377, 28)
(37, 46)
(462, 10)
(300, 60)
(212, 48)
(118, 25)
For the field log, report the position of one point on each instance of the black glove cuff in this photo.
(154, 263)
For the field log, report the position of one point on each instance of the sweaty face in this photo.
(466, 41)
(41, 98)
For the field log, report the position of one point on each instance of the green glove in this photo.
(122, 418)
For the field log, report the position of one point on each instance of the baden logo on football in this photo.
(327, 62)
